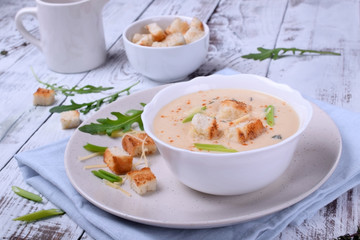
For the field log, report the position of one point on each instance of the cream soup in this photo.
(232, 113)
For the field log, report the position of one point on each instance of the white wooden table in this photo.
(237, 28)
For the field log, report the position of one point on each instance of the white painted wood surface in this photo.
(237, 28)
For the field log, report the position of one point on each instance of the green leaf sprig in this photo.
(191, 115)
(270, 115)
(40, 215)
(94, 148)
(277, 53)
(26, 194)
(123, 123)
(107, 176)
(213, 147)
(71, 91)
(87, 107)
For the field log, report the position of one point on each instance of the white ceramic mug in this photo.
(71, 33)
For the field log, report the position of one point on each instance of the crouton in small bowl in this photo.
(227, 135)
(166, 48)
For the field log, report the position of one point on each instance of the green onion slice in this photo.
(93, 148)
(108, 176)
(191, 115)
(213, 147)
(270, 115)
(40, 215)
(25, 194)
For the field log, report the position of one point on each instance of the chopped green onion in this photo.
(191, 115)
(270, 115)
(25, 194)
(106, 176)
(40, 215)
(109, 174)
(93, 148)
(213, 147)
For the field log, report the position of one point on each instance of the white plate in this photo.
(177, 206)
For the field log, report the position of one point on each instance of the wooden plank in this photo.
(238, 28)
(106, 76)
(18, 83)
(12, 206)
(323, 25)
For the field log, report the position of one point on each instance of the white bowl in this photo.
(229, 173)
(165, 64)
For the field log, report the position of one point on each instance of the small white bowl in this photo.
(229, 173)
(165, 64)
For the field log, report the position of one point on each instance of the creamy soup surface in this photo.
(169, 126)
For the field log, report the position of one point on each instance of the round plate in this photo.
(177, 206)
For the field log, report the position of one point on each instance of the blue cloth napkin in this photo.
(43, 168)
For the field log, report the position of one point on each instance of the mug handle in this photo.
(20, 26)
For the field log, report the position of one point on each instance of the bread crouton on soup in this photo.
(70, 119)
(177, 26)
(134, 144)
(44, 97)
(156, 31)
(204, 126)
(232, 109)
(117, 160)
(143, 39)
(246, 131)
(142, 180)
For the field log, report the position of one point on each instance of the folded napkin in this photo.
(43, 168)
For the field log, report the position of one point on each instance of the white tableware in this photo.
(177, 206)
(71, 33)
(164, 64)
(239, 171)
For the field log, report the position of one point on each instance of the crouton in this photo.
(44, 97)
(193, 34)
(70, 119)
(196, 23)
(133, 144)
(247, 131)
(117, 160)
(142, 180)
(155, 30)
(174, 39)
(232, 109)
(159, 44)
(143, 39)
(205, 126)
(177, 26)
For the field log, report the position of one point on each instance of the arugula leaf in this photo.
(213, 147)
(87, 107)
(71, 91)
(277, 53)
(123, 123)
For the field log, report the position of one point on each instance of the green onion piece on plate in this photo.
(270, 115)
(101, 175)
(25, 194)
(94, 148)
(213, 147)
(40, 215)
